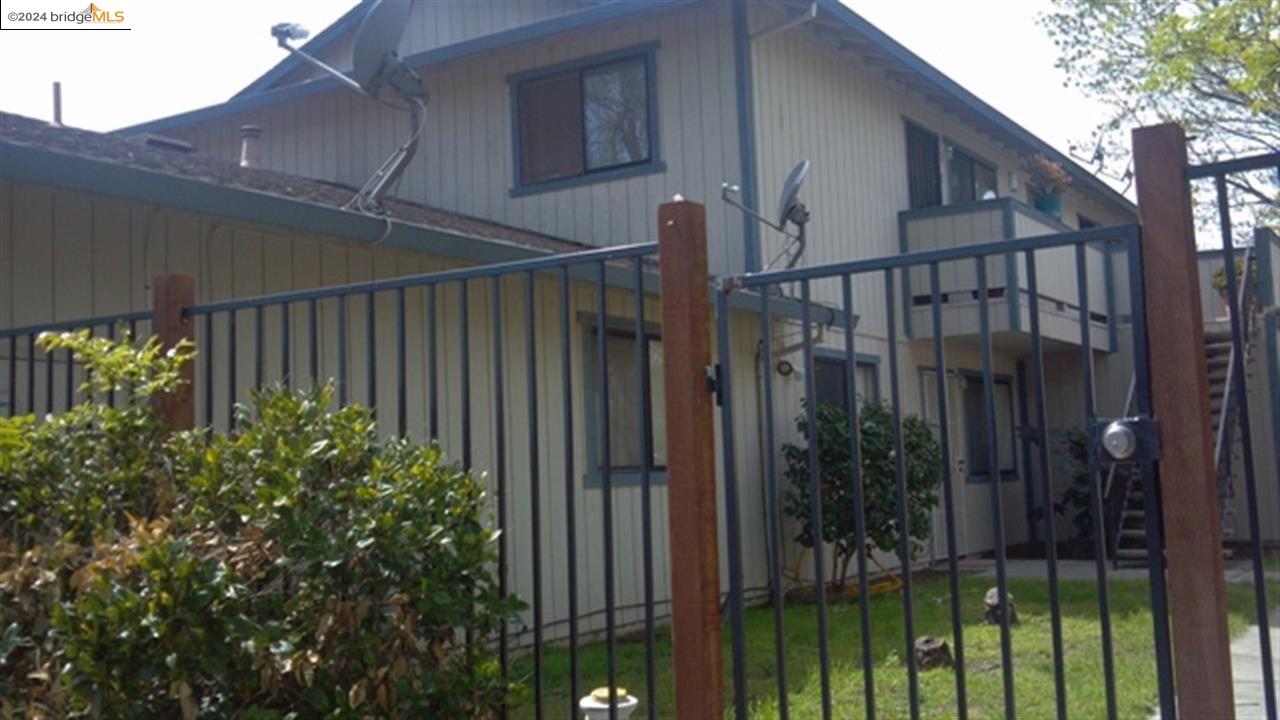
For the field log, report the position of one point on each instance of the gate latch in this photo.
(1127, 440)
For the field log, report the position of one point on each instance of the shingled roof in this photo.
(17, 131)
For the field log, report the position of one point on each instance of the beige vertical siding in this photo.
(436, 23)
(465, 161)
(831, 107)
(80, 255)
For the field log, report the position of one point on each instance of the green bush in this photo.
(923, 471)
(295, 567)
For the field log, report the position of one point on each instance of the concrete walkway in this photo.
(1246, 655)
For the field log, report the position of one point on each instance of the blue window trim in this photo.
(592, 478)
(646, 52)
(860, 359)
(1006, 475)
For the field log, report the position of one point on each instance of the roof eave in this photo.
(526, 33)
(39, 165)
(855, 22)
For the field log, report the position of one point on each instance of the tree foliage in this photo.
(1213, 66)
(298, 566)
(923, 476)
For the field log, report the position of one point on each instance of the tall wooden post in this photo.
(1180, 400)
(170, 295)
(691, 471)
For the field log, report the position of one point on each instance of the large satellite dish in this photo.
(790, 210)
(376, 65)
(374, 57)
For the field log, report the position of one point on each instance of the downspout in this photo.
(746, 133)
(745, 86)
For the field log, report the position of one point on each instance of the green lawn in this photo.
(1033, 660)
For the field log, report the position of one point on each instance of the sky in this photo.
(178, 58)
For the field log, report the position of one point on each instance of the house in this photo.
(556, 125)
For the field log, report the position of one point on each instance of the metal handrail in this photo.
(1128, 404)
(1222, 443)
(1111, 471)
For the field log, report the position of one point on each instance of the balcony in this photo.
(1008, 298)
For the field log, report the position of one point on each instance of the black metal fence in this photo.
(41, 382)
(1244, 281)
(508, 368)
(836, 284)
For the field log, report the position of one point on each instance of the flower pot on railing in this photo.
(1047, 180)
(1050, 204)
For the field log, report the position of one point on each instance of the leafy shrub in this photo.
(923, 470)
(297, 566)
(1070, 449)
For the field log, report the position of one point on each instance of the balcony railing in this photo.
(991, 220)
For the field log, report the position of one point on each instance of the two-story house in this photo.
(561, 124)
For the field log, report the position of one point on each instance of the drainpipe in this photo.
(742, 39)
(250, 147)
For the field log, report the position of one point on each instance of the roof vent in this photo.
(250, 148)
(160, 142)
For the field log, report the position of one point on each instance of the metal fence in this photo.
(41, 382)
(479, 409)
(839, 280)
(507, 367)
(1243, 282)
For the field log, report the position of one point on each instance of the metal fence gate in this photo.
(1160, 445)
(1027, 257)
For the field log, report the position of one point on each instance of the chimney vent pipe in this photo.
(250, 148)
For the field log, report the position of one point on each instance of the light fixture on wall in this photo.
(1013, 180)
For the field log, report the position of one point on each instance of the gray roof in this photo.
(36, 150)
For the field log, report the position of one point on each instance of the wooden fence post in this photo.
(1180, 400)
(691, 471)
(170, 294)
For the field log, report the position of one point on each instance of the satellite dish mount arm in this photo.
(284, 32)
(727, 193)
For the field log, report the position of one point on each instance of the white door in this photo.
(969, 474)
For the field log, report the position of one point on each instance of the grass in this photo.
(1033, 660)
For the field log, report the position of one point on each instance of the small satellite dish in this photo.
(377, 40)
(790, 190)
(790, 210)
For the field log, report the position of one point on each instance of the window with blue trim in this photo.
(977, 442)
(831, 379)
(585, 120)
(629, 418)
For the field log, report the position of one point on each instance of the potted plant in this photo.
(1046, 181)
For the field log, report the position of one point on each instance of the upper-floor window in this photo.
(924, 182)
(968, 178)
(585, 120)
